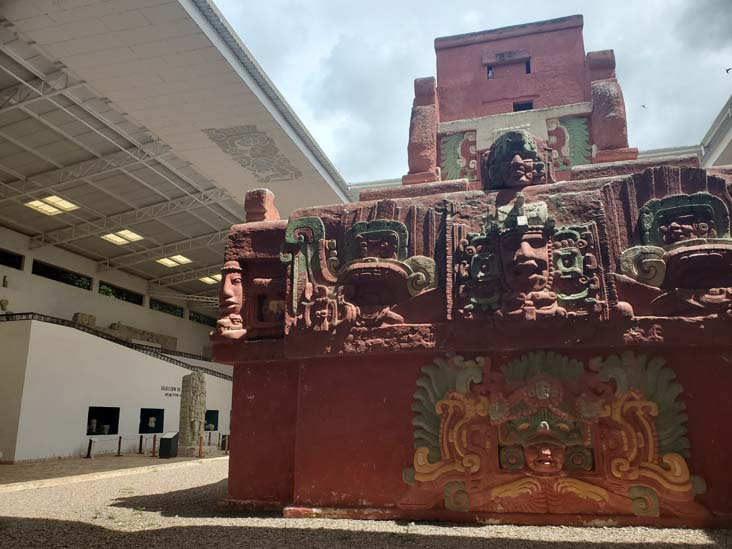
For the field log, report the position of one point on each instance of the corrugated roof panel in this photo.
(11, 117)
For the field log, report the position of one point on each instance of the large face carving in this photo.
(545, 455)
(686, 226)
(519, 171)
(514, 161)
(381, 244)
(525, 260)
(231, 297)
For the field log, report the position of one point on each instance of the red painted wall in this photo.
(263, 433)
(559, 75)
(354, 433)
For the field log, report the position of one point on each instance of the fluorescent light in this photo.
(173, 260)
(114, 239)
(180, 259)
(52, 205)
(60, 203)
(42, 207)
(124, 236)
(207, 280)
(129, 235)
(217, 277)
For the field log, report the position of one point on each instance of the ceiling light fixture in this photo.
(114, 239)
(124, 236)
(60, 203)
(52, 205)
(42, 207)
(180, 259)
(173, 261)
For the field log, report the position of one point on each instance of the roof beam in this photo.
(87, 168)
(184, 276)
(188, 298)
(174, 248)
(126, 219)
(21, 95)
(108, 125)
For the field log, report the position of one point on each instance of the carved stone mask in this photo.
(231, 294)
(231, 297)
(545, 455)
(514, 161)
(525, 260)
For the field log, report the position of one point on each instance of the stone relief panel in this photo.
(458, 157)
(255, 151)
(569, 139)
(522, 266)
(192, 417)
(355, 281)
(546, 433)
(686, 253)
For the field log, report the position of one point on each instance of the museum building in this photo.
(129, 134)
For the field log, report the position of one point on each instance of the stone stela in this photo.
(192, 413)
(542, 339)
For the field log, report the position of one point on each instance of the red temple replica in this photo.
(528, 336)
(570, 101)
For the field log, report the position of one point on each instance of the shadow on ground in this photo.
(26, 532)
(201, 501)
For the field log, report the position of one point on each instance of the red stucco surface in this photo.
(559, 75)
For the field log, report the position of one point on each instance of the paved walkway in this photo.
(23, 472)
(176, 506)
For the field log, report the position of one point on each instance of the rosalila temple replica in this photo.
(535, 327)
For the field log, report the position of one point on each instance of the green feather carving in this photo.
(437, 379)
(580, 150)
(541, 362)
(658, 383)
(450, 155)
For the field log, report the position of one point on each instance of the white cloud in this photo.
(347, 68)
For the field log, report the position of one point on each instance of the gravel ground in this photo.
(177, 507)
(26, 471)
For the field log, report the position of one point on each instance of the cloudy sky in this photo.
(347, 68)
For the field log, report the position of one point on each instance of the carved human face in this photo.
(231, 296)
(687, 226)
(525, 259)
(545, 456)
(518, 171)
(383, 246)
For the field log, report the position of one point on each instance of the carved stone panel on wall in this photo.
(255, 151)
(521, 266)
(458, 156)
(569, 139)
(546, 433)
(355, 281)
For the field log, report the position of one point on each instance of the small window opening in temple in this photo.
(523, 106)
(151, 420)
(102, 420)
(270, 309)
(212, 420)
(528, 67)
(490, 72)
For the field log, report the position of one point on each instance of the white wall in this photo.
(226, 369)
(488, 128)
(14, 339)
(68, 371)
(27, 293)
